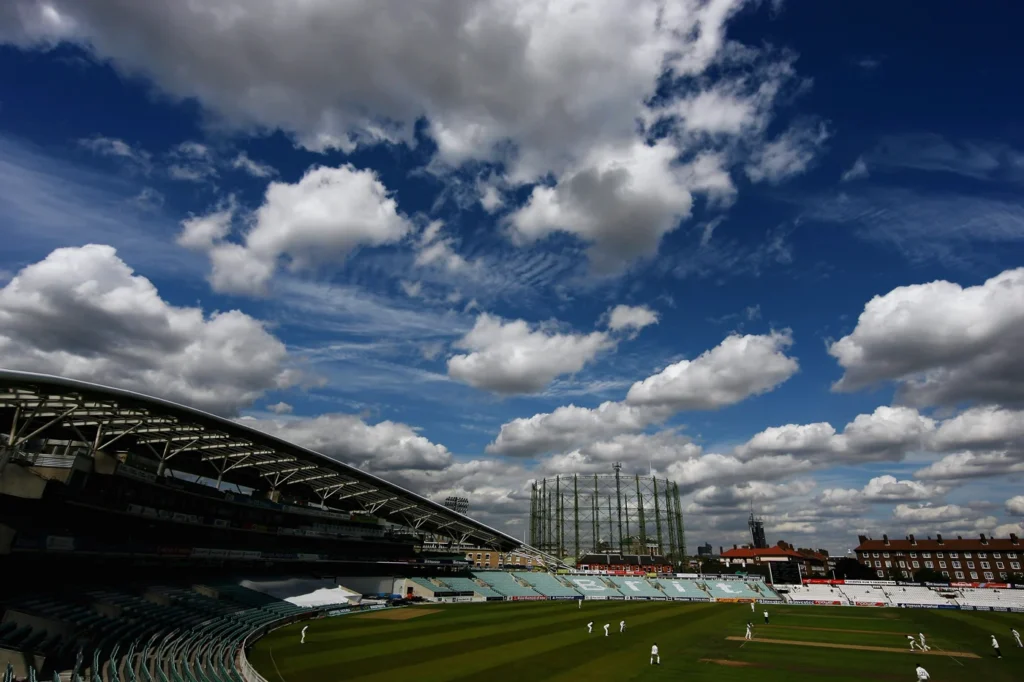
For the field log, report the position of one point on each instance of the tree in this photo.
(927, 575)
(851, 569)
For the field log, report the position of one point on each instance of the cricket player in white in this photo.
(590, 627)
(924, 647)
(303, 640)
(995, 646)
(913, 642)
(654, 655)
(580, 602)
(922, 674)
(606, 626)
(766, 618)
(753, 607)
(622, 626)
(750, 633)
(1016, 636)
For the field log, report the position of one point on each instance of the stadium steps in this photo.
(506, 584)
(545, 584)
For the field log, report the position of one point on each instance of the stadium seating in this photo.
(505, 584)
(594, 586)
(636, 587)
(825, 593)
(467, 585)
(866, 593)
(152, 633)
(688, 589)
(546, 584)
(730, 589)
(767, 594)
(916, 595)
(986, 597)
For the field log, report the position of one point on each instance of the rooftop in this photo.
(978, 544)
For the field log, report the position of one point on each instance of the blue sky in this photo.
(402, 238)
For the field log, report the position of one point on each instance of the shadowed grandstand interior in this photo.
(149, 539)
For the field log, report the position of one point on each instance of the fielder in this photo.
(753, 607)
(654, 655)
(622, 626)
(995, 647)
(303, 640)
(590, 627)
(766, 618)
(924, 647)
(606, 626)
(913, 642)
(750, 632)
(579, 603)
(922, 674)
(1016, 636)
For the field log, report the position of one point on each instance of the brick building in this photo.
(811, 563)
(972, 559)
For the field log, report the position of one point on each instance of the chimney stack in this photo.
(885, 539)
(913, 542)
(938, 537)
(959, 537)
(1013, 539)
(862, 539)
(983, 540)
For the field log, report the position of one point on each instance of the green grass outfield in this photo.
(549, 641)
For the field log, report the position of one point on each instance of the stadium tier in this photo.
(636, 588)
(507, 585)
(682, 589)
(730, 589)
(988, 598)
(825, 594)
(915, 595)
(866, 594)
(594, 587)
(469, 585)
(546, 584)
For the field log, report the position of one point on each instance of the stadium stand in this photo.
(594, 587)
(506, 584)
(636, 588)
(913, 594)
(764, 591)
(811, 593)
(866, 594)
(468, 585)
(730, 589)
(546, 584)
(682, 589)
(988, 597)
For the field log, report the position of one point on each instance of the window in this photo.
(927, 555)
(913, 555)
(1015, 565)
(954, 555)
(875, 555)
(999, 565)
(469, 557)
(989, 576)
(984, 565)
(956, 564)
(974, 575)
(888, 564)
(487, 557)
(939, 555)
(903, 564)
(878, 564)
(881, 574)
(916, 565)
(942, 564)
(885, 555)
(982, 555)
(945, 574)
(970, 564)
(929, 564)
(967, 555)
(959, 575)
(997, 555)
(1011, 555)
